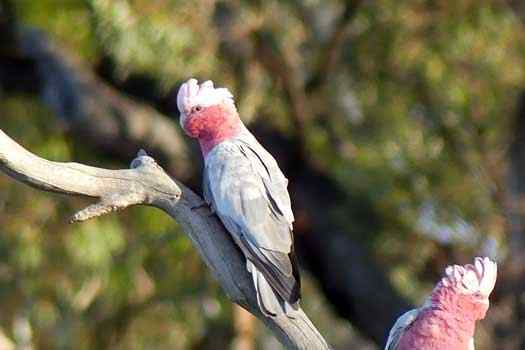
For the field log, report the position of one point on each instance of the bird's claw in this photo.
(204, 205)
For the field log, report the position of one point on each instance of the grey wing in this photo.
(275, 182)
(254, 214)
(402, 323)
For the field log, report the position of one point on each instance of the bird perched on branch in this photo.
(447, 319)
(245, 187)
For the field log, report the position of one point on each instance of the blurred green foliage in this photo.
(77, 284)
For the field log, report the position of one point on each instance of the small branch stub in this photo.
(109, 204)
(134, 195)
(119, 201)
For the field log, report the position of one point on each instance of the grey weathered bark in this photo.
(147, 183)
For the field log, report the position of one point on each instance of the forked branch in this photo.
(146, 183)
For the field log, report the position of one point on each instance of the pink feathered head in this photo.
(192, 95)
(471, 279)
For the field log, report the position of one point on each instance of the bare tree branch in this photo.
(147, 183)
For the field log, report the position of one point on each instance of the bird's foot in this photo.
(204, 205)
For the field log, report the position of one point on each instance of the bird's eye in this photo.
(479, 295)
(197, 108)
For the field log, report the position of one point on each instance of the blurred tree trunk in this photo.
(244, 325)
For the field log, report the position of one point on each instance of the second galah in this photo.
(447, 319)
(245, 187)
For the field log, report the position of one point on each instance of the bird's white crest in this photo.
(192, 94)
(470, 279)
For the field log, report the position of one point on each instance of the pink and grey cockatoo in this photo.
(447, 319)
(243, 184)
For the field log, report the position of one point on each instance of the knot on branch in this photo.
(143, 160)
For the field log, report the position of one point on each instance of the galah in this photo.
(447, 319)
(244, 186)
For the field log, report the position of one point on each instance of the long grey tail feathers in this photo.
(269, 301)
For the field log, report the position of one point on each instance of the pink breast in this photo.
(417, 342)
(437, 330)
